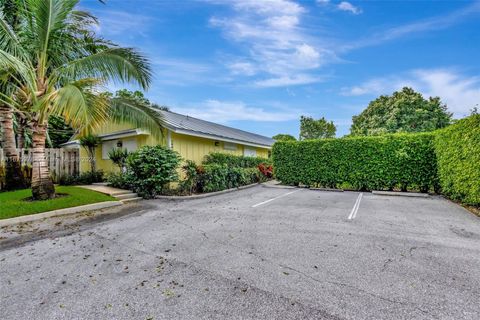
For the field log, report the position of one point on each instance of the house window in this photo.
(127, 144)
(229, 146)
(249, 152)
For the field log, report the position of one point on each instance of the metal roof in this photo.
(192, 126)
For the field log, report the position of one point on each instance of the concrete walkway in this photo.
(120, 194)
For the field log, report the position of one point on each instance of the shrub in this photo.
(189, 183)
(119, 157)
(84, 178)
(234, 160)
(458, 153)
(120, 180)
(266, 170)
(216, 177)
(404, 161)
(150, 169)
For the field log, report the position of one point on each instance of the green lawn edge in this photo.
(13, 204)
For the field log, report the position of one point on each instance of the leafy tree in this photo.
(58, 131)
(316, 129)
(139, 97)
(284, 137)
(403, 111)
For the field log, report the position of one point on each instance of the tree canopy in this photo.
(316, 129)
(284, 137)
(403, 111)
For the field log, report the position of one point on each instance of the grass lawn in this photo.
(16, 203)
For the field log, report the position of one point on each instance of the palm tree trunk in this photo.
(21, 133)
(42, 184)
(13, 170)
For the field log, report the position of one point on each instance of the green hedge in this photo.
(234, 160)
(458, 153)
(216, 177)
(403, 161)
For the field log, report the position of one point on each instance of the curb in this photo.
(278, 186)
(59, 212)
(401, 194)
(327, 189)
(206, 195)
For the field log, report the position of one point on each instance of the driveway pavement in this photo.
(259, 253)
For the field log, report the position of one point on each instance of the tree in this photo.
(316, 129)
(284, 137)
(58, 131)
(403, 111)
(139, 97)
(90, 143)
(58, 66)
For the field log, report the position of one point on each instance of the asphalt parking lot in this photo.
(258, 253)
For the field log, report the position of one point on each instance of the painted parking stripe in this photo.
(269, 200)
(353, 214)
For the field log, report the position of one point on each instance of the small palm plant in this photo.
(90, 143)
(119, 157)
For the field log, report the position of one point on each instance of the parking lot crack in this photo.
(355, 288)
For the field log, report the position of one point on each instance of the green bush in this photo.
(216, 177)
(120, 180)
(458, 153)
(84, 178)
(234, 160)
(151, 169)
(189, 183)
(26, 171)
(395, 161)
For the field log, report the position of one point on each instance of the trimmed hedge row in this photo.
(403, 161)
(234, 160)
(458, 153)
(216, 177)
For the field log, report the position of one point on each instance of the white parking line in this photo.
(353, 214)
(267, 201)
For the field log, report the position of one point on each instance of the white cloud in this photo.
(113, 23)
(416, 27)
(347, 6)
(180, 72)
(242, 68)
(460, 92)
(225, 111)
(287, 81)
(275, 44)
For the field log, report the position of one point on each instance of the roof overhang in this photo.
(108, 137)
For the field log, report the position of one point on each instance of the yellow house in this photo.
(192, 138)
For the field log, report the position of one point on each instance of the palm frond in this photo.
(83, 109)
(9, 40)
(19, 71)
(115, 64)
(137, 114)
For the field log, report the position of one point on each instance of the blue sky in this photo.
(258, 65)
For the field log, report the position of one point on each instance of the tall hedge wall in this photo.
(404, 161)
(458, 153)
(233, 160)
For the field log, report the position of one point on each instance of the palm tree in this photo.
(90, 143)
(59, 66)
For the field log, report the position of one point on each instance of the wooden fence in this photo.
(60, 161)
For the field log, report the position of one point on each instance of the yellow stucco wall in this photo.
(189, 147)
